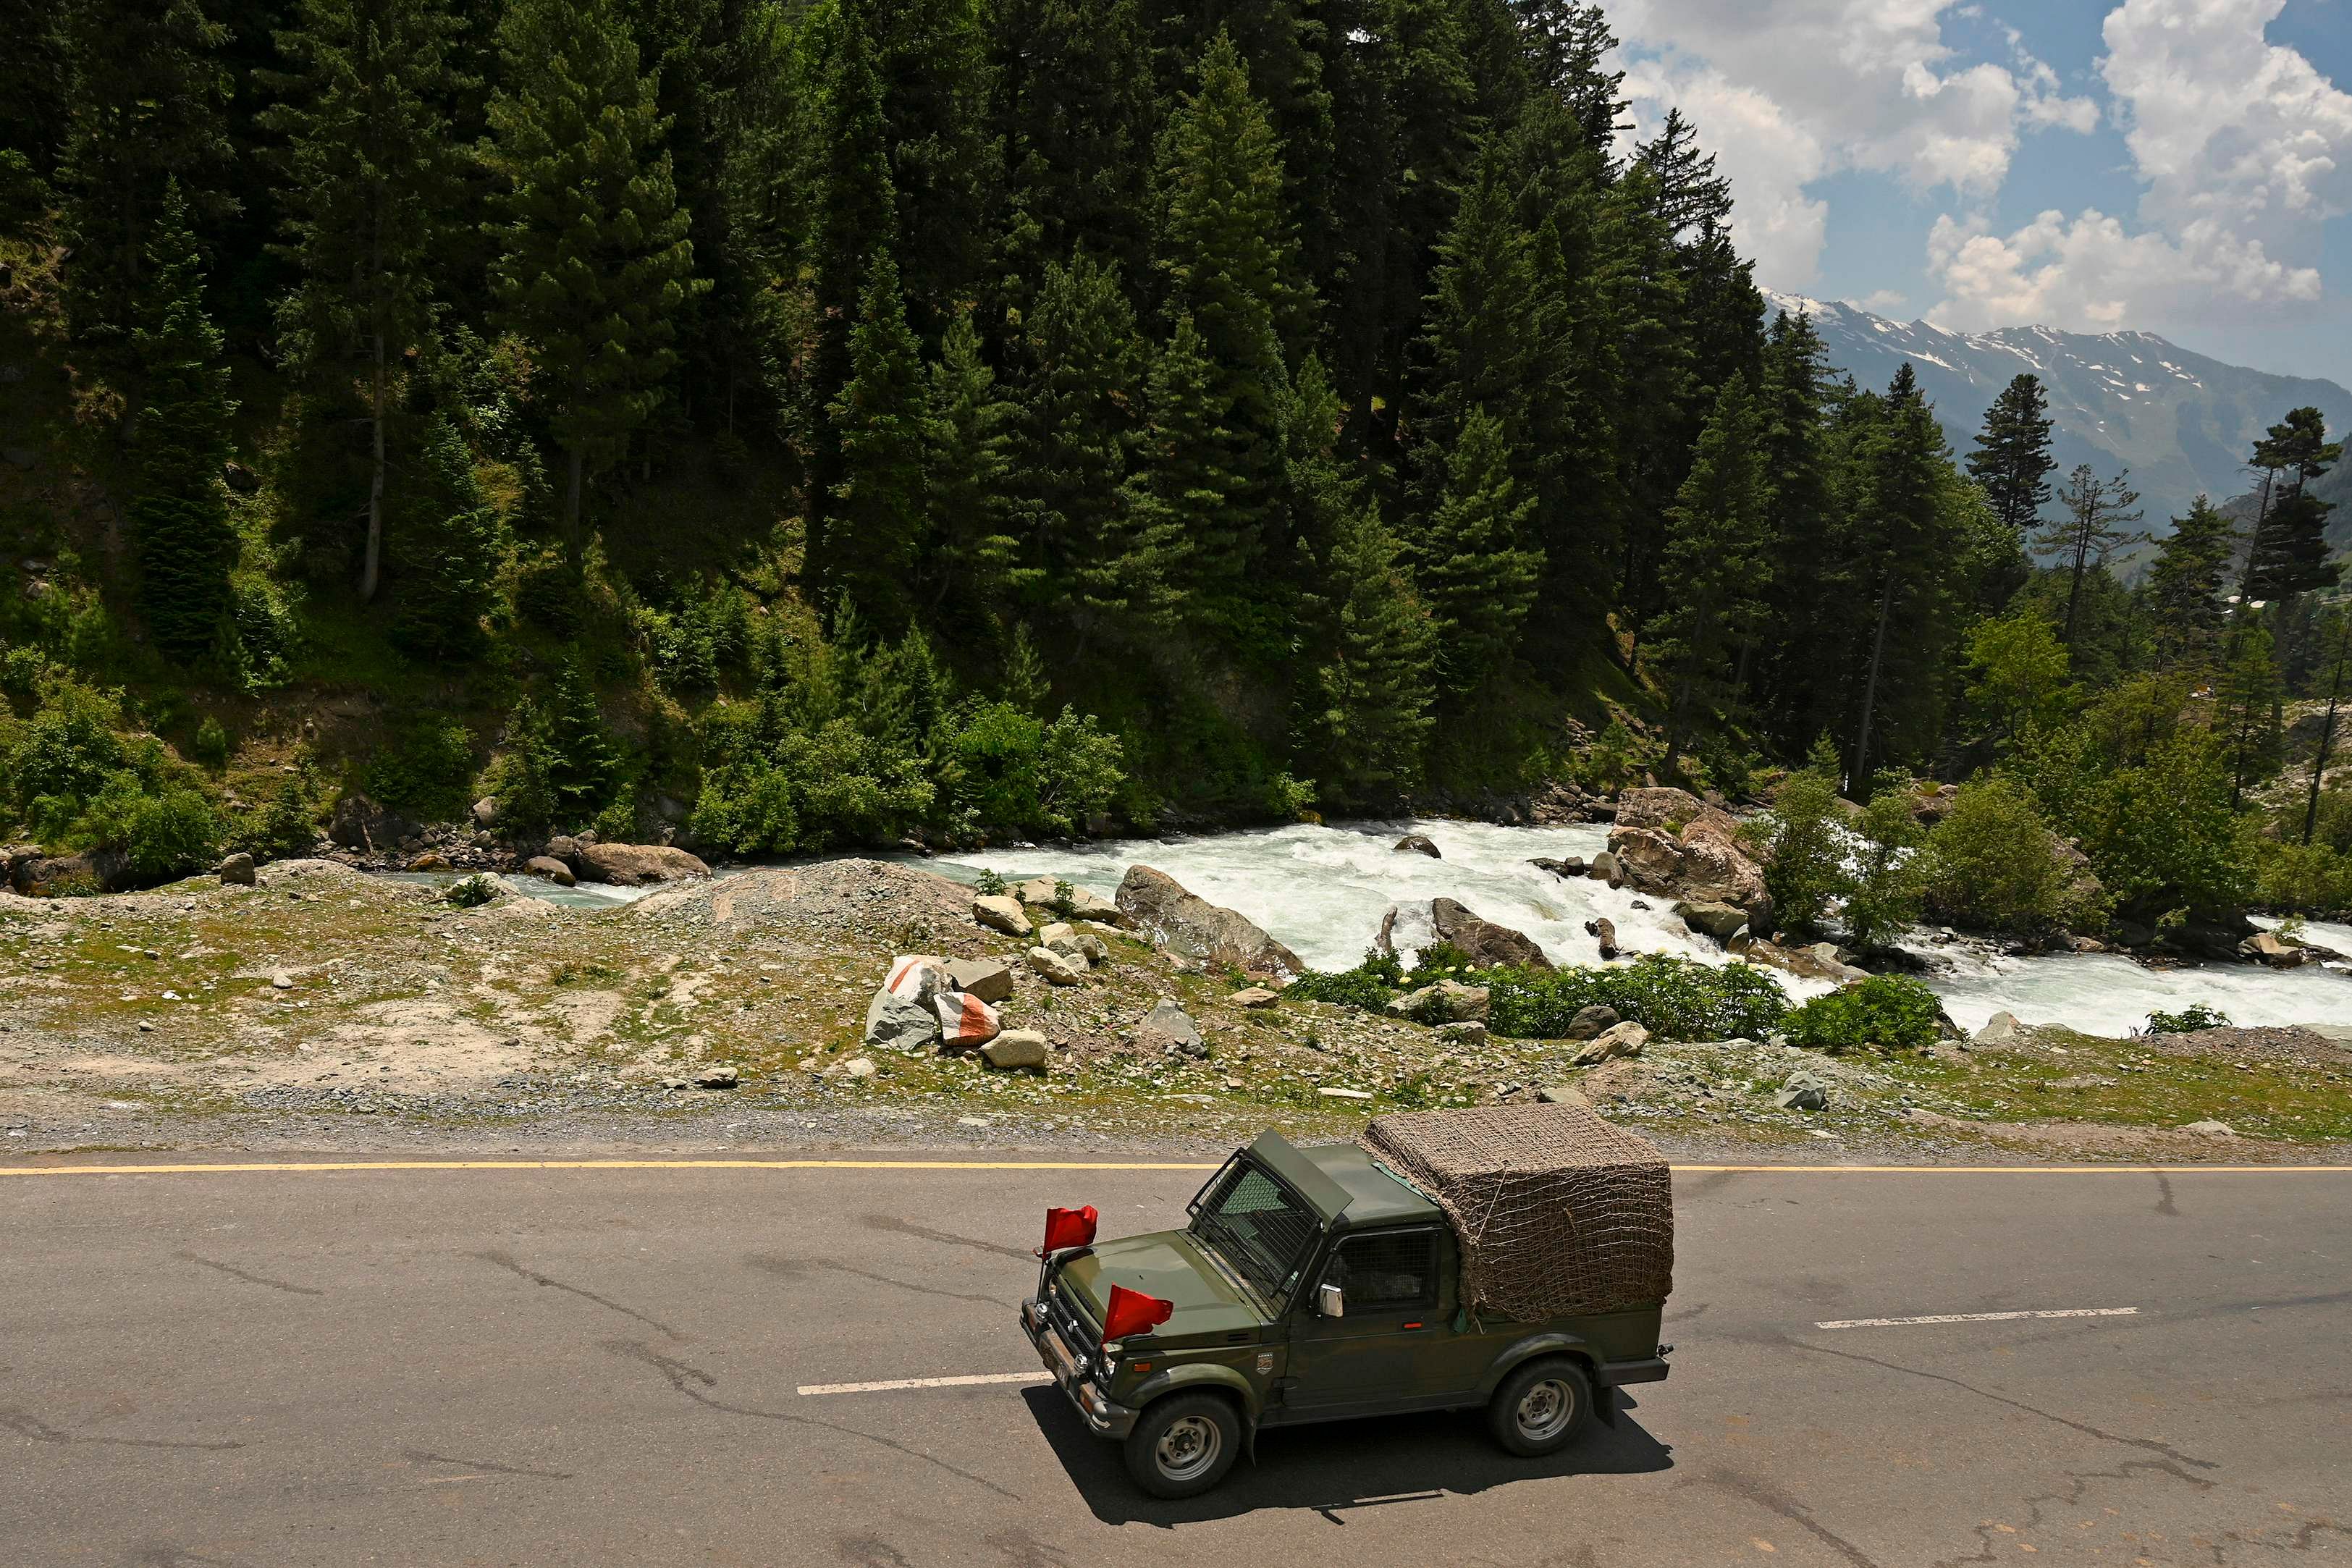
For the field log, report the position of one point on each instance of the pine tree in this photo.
(1685, 192)
(881, 421)
(1716, 549)
(933, 62)
(372, 169)
(1081, 393)
(447, 554)
(1075, 113)
(2099, 513)
(1898, 532)
(146, 96)
(1375, 687)
(2290, 553)
(2246, 703)
(574, 751)
(2012, 459)
(1568, 43)
(594, 263)
(2184, 586)
(1475, 574)
(1190, 543)
(179, 510)
(1482, 337)
(968, 472)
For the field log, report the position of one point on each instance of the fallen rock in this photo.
(1721, 921)
(2002, 1029)
(236, 870)
(1254, 997)
(1190, 924)
(1056, 969)
(859, 1068)
(1571, 866)
(1417, 843)
(1488, 943)
(1168, 1027)
(1625, 1040)
(1098, 951)
(239, 477)
(900, 1017)
(1061, 938)
(1605, 930)
(1803, 1091)
(1001, 914)
(1016, 1050)
(1560, 1094)
(1446, 1001)
(2267, 947)
(637, 865)
(2211, 1129)
(431, 860)
(549, 868)
(1820, 962)
(1592, 1022)
(281, 981)
(1606, 868)
(1080, 904)
(485, 812)
(965, 1021)
(1674, 812)
(717, 1077)
(989, 979)
(64, 876)
(1464, 1032)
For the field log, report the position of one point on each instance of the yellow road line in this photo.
(324, 1166)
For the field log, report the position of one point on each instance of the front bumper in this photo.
(1103, 1416)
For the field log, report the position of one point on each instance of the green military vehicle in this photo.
(1511, 1258)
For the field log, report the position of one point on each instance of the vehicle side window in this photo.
(1391, 1271)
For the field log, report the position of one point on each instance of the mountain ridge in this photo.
(2182, 422)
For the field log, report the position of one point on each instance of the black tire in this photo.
(1185, 1443)
(1541, 1408)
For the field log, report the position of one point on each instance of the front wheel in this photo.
(1542, 1407)
(1183, 1445)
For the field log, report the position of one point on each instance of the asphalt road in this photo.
(603, 1366)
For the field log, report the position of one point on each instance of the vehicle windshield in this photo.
(1253, 1223)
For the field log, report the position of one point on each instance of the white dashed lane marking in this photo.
(1981, 1318)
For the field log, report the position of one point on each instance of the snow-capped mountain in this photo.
(2183, 423)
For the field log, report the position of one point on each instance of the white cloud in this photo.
(1885, 300)
(1789, 91)
(2244, 149)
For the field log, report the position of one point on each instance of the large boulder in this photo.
(548, 868)
(1016, 1050)
(1486, 942)
(989, 979)
(2268, 947)
(361, 824)
(902, 1015)
(998, 913)
(1674, 812)
(1705, 865)
(55, 876)
(1592, 1021)
(1085, 904)
(965, 1021)
(1721, 921)
(636, 865)
(1446, 1001)
(1054, 969)
(236, 870)
(1157, 904)
(1417, 843)
(1625, 1040)
(1168, 1027)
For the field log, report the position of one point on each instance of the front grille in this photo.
(1076, 1331)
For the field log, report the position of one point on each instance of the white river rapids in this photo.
(1322, 890)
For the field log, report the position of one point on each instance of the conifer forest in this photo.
(786, 425)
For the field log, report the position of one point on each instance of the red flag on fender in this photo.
(1132, 1311)
(1069, 1227)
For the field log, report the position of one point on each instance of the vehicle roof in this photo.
(1343, 1181)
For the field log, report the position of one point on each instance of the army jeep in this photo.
(1319, 1284)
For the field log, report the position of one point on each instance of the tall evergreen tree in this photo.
(1475, 572)
(595, 262)
(179, 510)
(1716, 549)
(2184, 586)
(1190, 535)
(1568, 44)
(447, 554)
(2290, 553)
(1374, 688)
(2246, 702)
(1482, 331)
(968, 442)
(881, 421)
(933, 61)
(1898, 533)
(2099, 515)
(1074, 115)
(2012, 459)
(372, 172)
(145, 98)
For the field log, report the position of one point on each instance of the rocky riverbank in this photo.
(320, 1007)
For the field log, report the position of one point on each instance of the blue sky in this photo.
(2179, 166)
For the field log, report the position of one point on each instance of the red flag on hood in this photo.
(1069, 1227)
(1132, 1311)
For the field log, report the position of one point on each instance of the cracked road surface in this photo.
(602, 1367)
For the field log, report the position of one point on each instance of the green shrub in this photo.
(1678, 999)
(1891, 1011)
(67, 749)
(165, 834)
(472, 892)
(549, 594)
(2312, 878)
(427, 772)
(2190, 1020)
(991, 885)
(1889, 873)
(287, 825)
(1371, 984)
(1078, 771)
(1802, 845)
(1993, 864)
(211, 746)
(560, 767)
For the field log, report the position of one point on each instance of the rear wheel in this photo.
(1183, 1445)
(1542, 1407)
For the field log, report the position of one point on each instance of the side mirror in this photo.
(1330, 1300)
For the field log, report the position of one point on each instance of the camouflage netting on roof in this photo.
(1558, 1212)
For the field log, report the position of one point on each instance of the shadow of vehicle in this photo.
(1341, 1466)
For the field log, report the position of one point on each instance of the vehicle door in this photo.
(1369, 1355)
